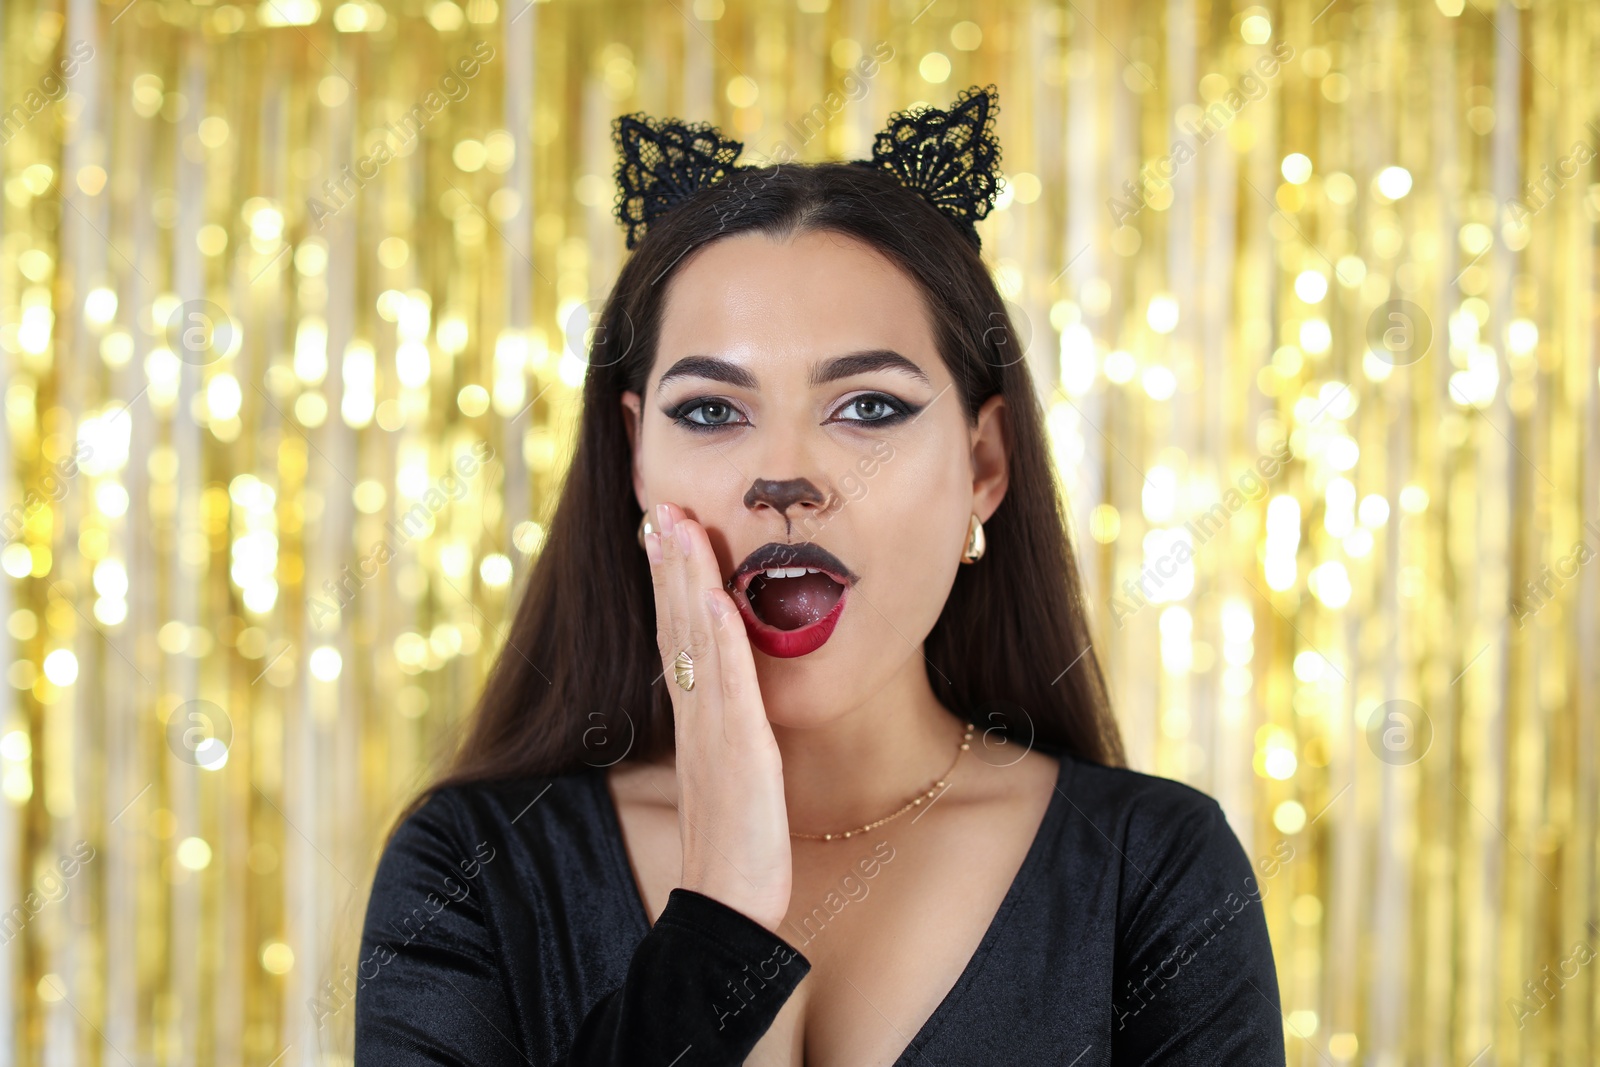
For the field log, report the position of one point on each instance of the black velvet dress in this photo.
(505, 927)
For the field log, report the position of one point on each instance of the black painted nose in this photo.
(781, 496)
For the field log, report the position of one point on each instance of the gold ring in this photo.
(683, 670)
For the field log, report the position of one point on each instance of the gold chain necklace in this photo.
(916, 801)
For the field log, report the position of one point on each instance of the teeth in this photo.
(788, 572)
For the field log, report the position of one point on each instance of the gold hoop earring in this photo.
(976, 545)
(644, 527)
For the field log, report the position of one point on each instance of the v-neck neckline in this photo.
(1053, 814)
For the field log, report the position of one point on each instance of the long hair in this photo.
(579, 681)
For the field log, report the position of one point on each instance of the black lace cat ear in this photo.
(664, 162)
(951, 157)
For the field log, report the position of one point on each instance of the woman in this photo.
(825, 774)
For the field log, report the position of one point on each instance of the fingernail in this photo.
(683, 538)
(718, 606)
(652, 546)
(664, 519)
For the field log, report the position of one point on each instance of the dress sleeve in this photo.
(1194, 980)
(706, 977)
(432, 987)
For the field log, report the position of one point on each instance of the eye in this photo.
(712, 414)
(875, 408)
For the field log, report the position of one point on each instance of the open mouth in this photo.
(791, 596)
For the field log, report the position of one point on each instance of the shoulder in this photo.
(1169, 841)
(457, 830)
(1191, 958)
(1147, 812)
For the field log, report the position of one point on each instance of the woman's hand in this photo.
(732, 817)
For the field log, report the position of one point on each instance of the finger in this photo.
(671, 619)
(735, 689)
(700, 568)
(741, 688)
(692, 622)
(661, 588)
(674, 564)
(680, 609)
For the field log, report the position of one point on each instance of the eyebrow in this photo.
(730, 373)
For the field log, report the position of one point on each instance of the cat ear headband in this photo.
(950, 158)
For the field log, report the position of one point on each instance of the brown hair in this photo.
(579, 682)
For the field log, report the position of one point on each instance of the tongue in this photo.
(790, 603)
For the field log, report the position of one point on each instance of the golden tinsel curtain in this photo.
(293, 306)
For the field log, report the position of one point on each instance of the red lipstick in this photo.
(765, 577)
(786, 644)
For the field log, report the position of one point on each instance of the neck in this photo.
(871, 760)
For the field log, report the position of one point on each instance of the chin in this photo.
(825, 686)
(804, 707)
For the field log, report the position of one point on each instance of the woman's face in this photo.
(797, 399)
